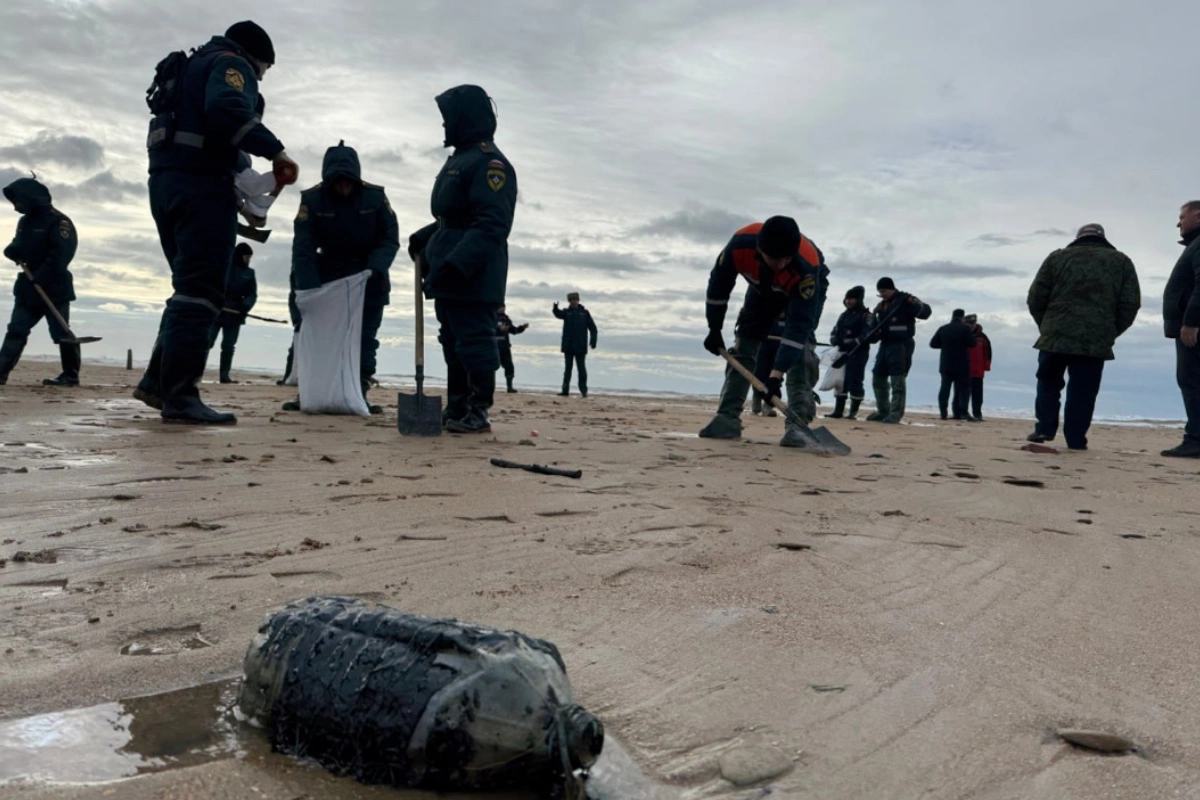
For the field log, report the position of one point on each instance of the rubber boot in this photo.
(226, 363)
(770, 411)
(854, 404)
(756, 404)
(839, 407)
(287, 368)
(10, 354)
(184, 353)
(458, 392)
(149, 388)
(883, 403)
(366, 387)
(70, 357)
(508, 379)
(483, 391)
(722, 427)
(899, 395)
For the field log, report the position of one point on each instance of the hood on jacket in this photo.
(341, 162)
(467, 115)
(27, 194)
(1092, 241)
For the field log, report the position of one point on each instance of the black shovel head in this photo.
(81, 339)
(826, 442)
(419, 414)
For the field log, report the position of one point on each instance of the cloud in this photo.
(67, 150)
(116, 308)
(593, 261)
(103, 187)
(697, 223)
(1006, 240)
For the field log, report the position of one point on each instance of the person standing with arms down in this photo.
(345, 226)
(1181, 321)
(849, 333)
(241, 293)
(464, 255)
(504, 329)
(787, 274)
(1083, 297)
(956, 340)
(204, 113)
(896, 326)
(981, 364)
(46, 243)
(579, 330)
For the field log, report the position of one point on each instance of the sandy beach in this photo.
(915, 620)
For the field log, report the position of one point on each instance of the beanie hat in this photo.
(253, 39)
(243, 249)
(970, 319)
(779, 237)
(885, 283)
(1091, 229)
(573, 295)
(958, 313)
(857, 292)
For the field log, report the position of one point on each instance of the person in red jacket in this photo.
(981, 362)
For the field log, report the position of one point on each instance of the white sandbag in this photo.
(327, 358)
(834, 377)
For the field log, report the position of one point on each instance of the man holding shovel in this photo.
(45, 244)
(787, 274)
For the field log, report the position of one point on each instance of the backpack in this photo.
(162, 97)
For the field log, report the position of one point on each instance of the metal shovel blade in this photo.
(826, 442)
(81, 339)
(418, 414)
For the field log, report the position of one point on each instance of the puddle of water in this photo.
(199, 725)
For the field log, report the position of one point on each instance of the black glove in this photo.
(714, 342)
(774, 387)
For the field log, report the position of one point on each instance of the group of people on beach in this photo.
(206, 125)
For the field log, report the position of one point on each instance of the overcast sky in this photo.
(949, 145)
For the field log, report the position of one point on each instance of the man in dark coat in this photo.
(849, 333)
(895, 328)
(45, 242)
(1181, 320)
(241, 293)
(1084, 296)
(955, 339)
(464, 255)
(579, 331)
(194, 149)
(505, 329)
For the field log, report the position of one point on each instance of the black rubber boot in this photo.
(366, 387)
(483, 392)
(855, 402)
(1187, 449)
(287, 368)
(508, 379)
(69, 355)
(839, 407)
(10, 354)
(458, 392)
(149, 388)
(184, 353)
(226, 364)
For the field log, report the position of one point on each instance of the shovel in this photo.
(821, 440)
(418, 415)
(70, 338)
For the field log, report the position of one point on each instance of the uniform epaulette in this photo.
(487, 147)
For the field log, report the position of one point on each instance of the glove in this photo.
(714, 342)
(285, 170)
(774, 387)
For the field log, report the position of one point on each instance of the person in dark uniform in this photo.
(504, 329)
(45, 242)
(241, 293)
(294, 316)
(787, 274)
(1181, 321)
(464, 255)
(345, 226)
(852, 326)
(195, 138)
(579, 331)
(896, 325)
(955, 339)
(765, 362)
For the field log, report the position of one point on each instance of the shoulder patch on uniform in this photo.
(496, 163)
(302, 213)
(487, 147)
(235, 79)
(64, 228)
(496, 179)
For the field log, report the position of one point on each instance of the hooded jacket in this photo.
(241, 287)
(1084, 296)
(465, 253)
(981, 353)
(1181, 297)
(45, 241)
(337, 236)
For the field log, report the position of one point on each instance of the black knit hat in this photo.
(243, 250)
(857, 292)
(779, 237)
(885, 283)
(253, 39)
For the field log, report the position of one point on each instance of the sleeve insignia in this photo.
(64, 229)
(496, 163)
(235, 79)
(302, 214)
(496, 179)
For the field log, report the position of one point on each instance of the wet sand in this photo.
(914, 620)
